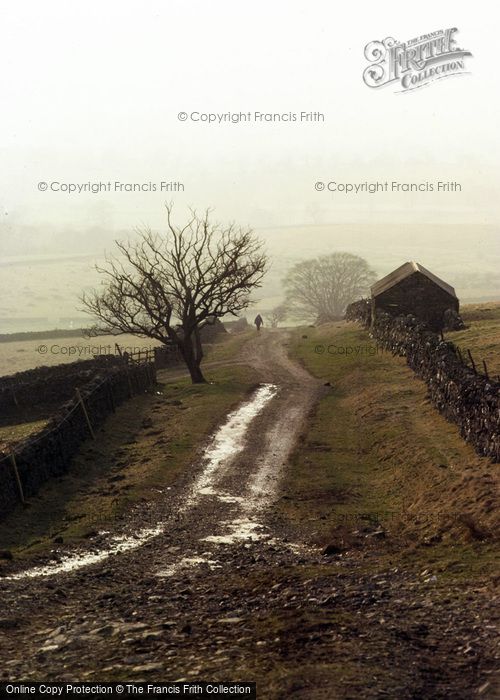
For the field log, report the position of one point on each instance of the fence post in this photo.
(14, 397)
(126, 363)
(89, 424)
(129, 380)
(18, 478)
(472, 361)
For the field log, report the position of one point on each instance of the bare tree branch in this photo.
(168, 287)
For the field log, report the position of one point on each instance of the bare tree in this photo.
(277, 315)
(321, 289)
(168, 287)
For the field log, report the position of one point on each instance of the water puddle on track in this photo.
(240, 529)
(72, 562)
(244, 526)
(225, 445)
(227, 442)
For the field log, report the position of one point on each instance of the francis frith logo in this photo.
(414, 63)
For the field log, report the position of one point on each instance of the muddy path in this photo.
(225, 496)
(205, 582)
(220, 506)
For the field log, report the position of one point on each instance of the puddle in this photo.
(207, 491)
(261, 488)
(220, 495)
(227, 442)
(71, 562)
(239, 529)
(225, 498)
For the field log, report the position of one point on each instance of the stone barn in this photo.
(411, 289)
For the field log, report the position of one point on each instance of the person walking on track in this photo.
(259, 321)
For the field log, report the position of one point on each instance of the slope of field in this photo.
(377, 454)
(482, 335)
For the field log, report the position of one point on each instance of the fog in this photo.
(92, 93)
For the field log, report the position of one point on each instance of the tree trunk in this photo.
(196, 374)
(198, 348)
(192, 360)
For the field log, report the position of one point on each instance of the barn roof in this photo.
(406, 270)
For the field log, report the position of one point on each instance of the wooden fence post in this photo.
(14, 397)
(129, 380)
(18, 478)
(89, 424)
(472, 361)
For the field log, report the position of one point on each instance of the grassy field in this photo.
(377, 456)
(14, 432)
(20, 355)
(482, 335)
(228, 346)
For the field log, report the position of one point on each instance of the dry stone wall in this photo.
(48, 453)
(468, 399)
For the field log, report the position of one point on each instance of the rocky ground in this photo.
(221, 589)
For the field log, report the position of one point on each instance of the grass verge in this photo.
(378, 466)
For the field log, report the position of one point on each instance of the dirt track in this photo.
(217, 590)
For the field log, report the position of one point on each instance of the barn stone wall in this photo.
(417, 295)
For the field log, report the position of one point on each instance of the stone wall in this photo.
(49, 452)
(419, 296)
(360, 311)
(45, 385)
(237, 326)
(470, 400)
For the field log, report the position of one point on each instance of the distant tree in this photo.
(168, 287)
(277, 315)
(320, 289)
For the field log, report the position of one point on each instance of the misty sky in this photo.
(91, 92)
